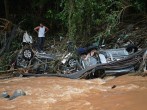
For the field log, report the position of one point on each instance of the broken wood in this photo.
(5, 25)
(8, 36)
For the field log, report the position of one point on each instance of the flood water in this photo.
(51, 93)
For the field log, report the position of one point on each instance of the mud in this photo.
(50, 93)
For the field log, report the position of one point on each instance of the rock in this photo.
(17, 93)
(114, 86)
(5, 94)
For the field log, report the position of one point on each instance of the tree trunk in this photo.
(4, 43)
(12, 36)
(6, 8)
(146, 7)
(70, 31)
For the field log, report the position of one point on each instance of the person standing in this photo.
(27, 39)
(41, 30)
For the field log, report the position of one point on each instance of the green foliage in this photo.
(78, 18)
(5, 61)
(139, 4)
(81, 17)
(16, 45)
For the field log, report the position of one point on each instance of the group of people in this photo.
(41, 30)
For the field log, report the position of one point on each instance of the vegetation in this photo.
(75, 18)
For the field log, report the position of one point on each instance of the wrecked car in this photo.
(104, 57)
(133, 62)
(111, 61)
(42, 63)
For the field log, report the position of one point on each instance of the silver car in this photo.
(106, 57)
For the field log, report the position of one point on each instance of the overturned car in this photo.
(108, 56)
(87, 63)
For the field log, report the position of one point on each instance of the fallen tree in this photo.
(8, 32)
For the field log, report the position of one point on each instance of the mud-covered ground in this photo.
(46, 93)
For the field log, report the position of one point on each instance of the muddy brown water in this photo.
(51, 93)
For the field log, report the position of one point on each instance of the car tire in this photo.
(72, 62)
(27, 54)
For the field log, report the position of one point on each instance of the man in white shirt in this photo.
(41, 30)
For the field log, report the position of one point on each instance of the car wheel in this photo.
(72, 62)
(27, 54)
